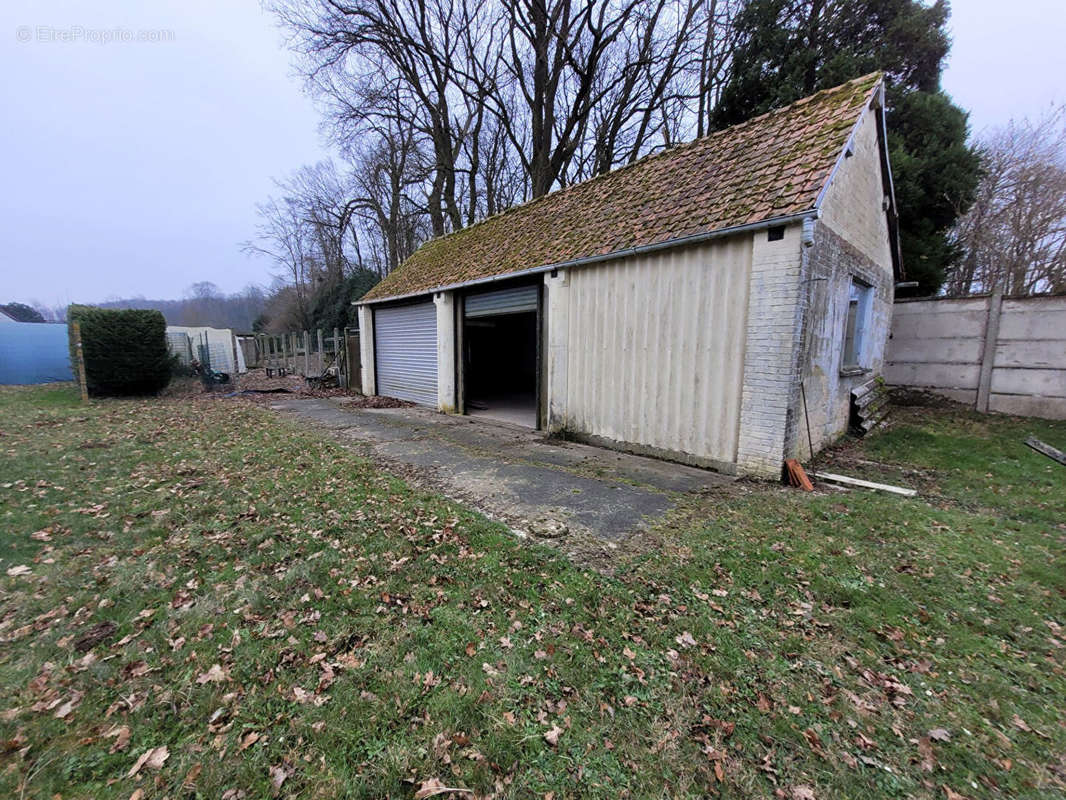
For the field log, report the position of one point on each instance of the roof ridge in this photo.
(673, 150)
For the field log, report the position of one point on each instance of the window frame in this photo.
(853, 359)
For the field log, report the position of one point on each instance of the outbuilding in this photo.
(713, 304)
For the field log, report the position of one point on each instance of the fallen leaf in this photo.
(153, 758)
(951, 794)
(802, 792)
(552, 736)
(190, 777)
(21, 569)
(685, 639)
(278, 774)
(213, 675)
(72, 702)
(927, 763)
(1018, 723)
(248, 740)
(433, 786)
(939, 735)
(121, 734)
(137, 794)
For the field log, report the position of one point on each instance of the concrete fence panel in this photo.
(998, 354)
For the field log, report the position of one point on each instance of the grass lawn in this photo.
(201, 600)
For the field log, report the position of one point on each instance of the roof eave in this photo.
(876, 104)
(667, 244)
(890, 189)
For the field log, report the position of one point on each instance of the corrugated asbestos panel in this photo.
(656, 348)
(504, 301)
(405, 339)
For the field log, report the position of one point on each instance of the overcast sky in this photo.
(132, 168)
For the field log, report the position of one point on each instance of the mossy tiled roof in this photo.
(771, 166)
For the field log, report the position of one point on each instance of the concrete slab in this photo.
(539, 486)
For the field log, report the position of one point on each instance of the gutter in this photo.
(682, 241)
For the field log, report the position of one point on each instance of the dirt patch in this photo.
(374, 401)
(255, 381)
(183, 386)
(919, 398)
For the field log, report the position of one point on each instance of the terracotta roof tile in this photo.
(771, 166)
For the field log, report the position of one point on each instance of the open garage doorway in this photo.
(500, 355)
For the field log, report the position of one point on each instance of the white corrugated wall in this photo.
(655, 349)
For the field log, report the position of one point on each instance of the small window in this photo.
(856, 324)
(775, 234)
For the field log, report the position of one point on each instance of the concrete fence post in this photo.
(988, 349)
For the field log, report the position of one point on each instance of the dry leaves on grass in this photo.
(67, 707)
(213, 675)
(121, 735)
(433, 787)
(552, 735)
(279, 773)
(153, 758)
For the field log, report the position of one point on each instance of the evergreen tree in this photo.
(789, 49)
(22, 312)
(332, 304)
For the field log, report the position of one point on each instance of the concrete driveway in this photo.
(580, 496)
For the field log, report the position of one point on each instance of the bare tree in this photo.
(411, 48)
(323, 194)
(284, 236)
(719, 42)
(512, 98)
(385, 172)
(1014, 235)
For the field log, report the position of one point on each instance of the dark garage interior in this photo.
(500, 367)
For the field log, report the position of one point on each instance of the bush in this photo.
(125, 350)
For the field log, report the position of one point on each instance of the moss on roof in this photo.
(771, 166)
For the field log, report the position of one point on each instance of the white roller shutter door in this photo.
(405, 345)
(505, 301)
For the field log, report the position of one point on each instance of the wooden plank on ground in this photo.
(1045, 449)
(844, 480)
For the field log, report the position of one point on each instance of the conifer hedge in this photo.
(125, 350)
